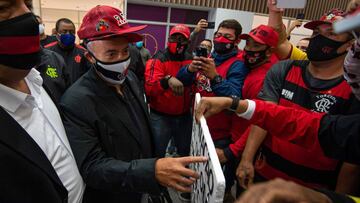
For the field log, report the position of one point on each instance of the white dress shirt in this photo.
(38, 115)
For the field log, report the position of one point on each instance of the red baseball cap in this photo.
(182, 29)
(264, 35)
(106, 21)
(328, 18)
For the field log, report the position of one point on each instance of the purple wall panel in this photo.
(144, 12)
(187, 16)
(154, 37)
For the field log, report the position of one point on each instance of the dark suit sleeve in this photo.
(99, 170)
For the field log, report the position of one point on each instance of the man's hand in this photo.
(201, 25)
(176, 86)
(221, 155)
(172, 172)
(282, 191)
(195, 65)
(208, 67)
(293, 25)
(272, 6)
(211, 105)
(245, 173)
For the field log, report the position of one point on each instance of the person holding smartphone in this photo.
(222, 74)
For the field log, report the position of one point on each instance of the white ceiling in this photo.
(84, 5)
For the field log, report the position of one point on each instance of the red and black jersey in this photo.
(295, 159)
(160, 99)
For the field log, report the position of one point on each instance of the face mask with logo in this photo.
(322, 48)
(253, 58)
(20, 42)
(140, 44)
(114, 72)
(67, 39)
(176, 47)
(223, 45)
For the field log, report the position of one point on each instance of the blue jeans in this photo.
(166, 127)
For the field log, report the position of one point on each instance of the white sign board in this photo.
(210, 187)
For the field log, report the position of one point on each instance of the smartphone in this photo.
(291, 4)
(349, 23)
(300, 16)
(211, 25)
(201, 51)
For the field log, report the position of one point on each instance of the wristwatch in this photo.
(164, 82)
(167, 78)
(216, 80)
(235, 103)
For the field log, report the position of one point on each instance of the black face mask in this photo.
(322, 48)
(20, 42)
(223, 45)
(253, 58)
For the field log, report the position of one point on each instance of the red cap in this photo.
(264, 35)
(182, 29)
(105, 21)
(328, 18)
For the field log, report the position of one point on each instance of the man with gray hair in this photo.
(107, 120)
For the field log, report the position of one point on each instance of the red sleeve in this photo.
(240, 129)
(239, 145)
(287, 123)
(154, 72)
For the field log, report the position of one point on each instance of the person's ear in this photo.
(89, 57)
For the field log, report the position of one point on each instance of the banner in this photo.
(210, 187)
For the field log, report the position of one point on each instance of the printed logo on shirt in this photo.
(203, 83)
(77, 58)
(324, 103)
(287, 94)
(51, 72)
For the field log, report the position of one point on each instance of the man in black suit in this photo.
(37, 164)
(107, 120)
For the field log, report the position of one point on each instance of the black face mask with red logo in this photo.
(20, 42)
(253, 58)
(223, 45)
(322, 48)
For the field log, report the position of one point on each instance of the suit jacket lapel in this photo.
(20, 141)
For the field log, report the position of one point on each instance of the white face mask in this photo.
(352, 71)
(41, 28)
(113, 73)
